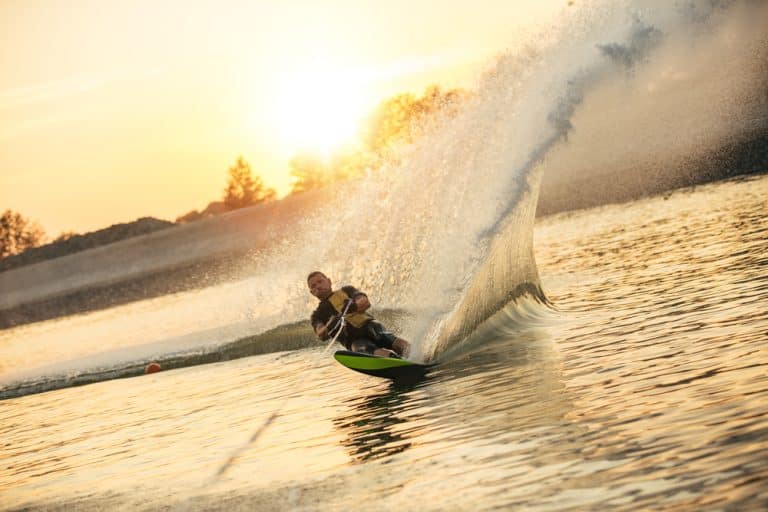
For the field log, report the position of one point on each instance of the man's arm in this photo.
(361, 299)
(320, 318)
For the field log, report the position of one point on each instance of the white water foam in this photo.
(446, 229)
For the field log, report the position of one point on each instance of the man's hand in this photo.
(322, 331)
(362, 303)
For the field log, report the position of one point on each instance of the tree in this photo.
(244, 188)
(64, 236)
(308, 171)
(18, 234)
(403, 118)
(213, 208)
(398, 120)
(348, 163)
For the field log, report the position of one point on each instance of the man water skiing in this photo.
(362, 333)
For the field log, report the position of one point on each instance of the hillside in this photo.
(78, 243)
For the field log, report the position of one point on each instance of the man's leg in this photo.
(365, 347)
(401, 346)
(387, 341)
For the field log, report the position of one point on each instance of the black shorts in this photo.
(368, 338)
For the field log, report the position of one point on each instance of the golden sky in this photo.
(112, 110)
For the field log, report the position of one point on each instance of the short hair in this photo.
(315, 273)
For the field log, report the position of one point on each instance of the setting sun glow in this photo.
(318, 108)
(111, 111)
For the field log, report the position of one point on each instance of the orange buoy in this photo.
(152, 368)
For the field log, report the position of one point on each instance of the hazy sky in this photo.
(112, 110)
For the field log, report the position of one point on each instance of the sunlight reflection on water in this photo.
(652, 394)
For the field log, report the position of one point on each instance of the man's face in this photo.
(319, 286)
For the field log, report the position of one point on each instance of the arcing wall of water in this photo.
(446, 232)
(508, 268)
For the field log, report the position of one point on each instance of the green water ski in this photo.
(378, 366)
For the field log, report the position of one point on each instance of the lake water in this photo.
(645, 387)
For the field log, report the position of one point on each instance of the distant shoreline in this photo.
(254, 228)
(85, 241)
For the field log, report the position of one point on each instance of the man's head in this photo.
(319, 285)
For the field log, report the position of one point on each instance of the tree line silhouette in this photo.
(397, 121)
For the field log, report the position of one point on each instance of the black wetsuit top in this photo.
(325, 311)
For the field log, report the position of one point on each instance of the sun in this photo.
(319, 108)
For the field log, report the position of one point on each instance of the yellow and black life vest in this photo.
(337, 299)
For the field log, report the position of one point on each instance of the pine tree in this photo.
(244, 188)
(18, 234)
